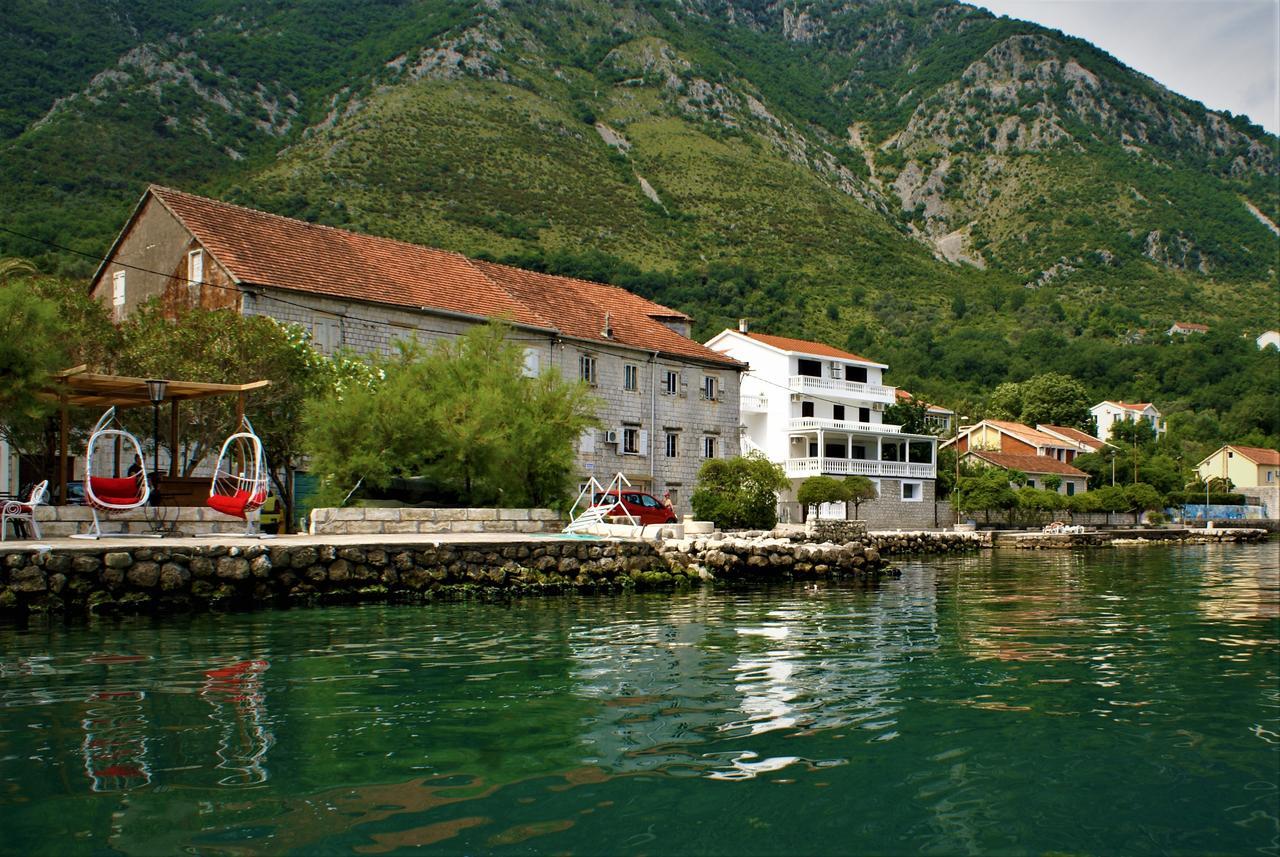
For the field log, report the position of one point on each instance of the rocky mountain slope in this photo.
(871, 172)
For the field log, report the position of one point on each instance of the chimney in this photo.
(742, 325)
(607, 333)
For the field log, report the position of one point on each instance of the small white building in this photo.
(818, 410)
(1106, 414)
(1268, 339)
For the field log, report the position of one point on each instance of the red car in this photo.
(645, 508)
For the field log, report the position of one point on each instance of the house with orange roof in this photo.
(1106, 414)
(938, 418)
(667, 402)
(1186, 327)
(1038, 452)
(819, 410)
(1254, 471)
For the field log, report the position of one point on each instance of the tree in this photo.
(1109, 498)
(222, 346)
(816, 490)
(984, 491)
(1037, 501)
(460, 417)
(1050, 398)
(908, 413)
(1053, 482)
(1133, 433)
(1141, 497)
(860, 490)
(740, 492)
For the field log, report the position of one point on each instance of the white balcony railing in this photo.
(813, 423)
(859, 467)
(837, 387)
(756, 404)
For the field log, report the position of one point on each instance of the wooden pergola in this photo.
(79, 387)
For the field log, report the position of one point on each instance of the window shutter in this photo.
(642, 445)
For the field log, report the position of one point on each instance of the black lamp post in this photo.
(155, 391)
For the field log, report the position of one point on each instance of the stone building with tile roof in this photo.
(667, 402)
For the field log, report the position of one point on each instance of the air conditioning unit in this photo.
(797, 397)
(611, 436)
(837, 371)
(877, 406)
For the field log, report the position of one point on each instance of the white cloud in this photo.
(1225, 53)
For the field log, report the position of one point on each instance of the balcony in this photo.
(813, 424)
(800, 467)
(845, 389)
(755, 404)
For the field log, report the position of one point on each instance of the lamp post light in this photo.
(155, 391)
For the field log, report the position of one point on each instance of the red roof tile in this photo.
(804, 346)
(578, 308)
(263, 249)
(1257, 454)
(1028, 463)
(1076, 435)
(1130, 406)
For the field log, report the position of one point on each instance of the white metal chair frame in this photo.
(103, 432)
(242, 470)
(17, 510)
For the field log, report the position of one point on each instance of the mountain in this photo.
(915, 178)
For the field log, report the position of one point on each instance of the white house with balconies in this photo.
(818, 410)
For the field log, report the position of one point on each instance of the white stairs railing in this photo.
(594, 513)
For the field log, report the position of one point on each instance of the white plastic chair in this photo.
(16, 510)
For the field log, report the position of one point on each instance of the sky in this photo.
(1225, 53)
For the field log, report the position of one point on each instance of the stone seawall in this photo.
(104, 579)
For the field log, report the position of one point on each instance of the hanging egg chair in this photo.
(241, 480)
(108, 445)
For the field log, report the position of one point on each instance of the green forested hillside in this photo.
(970, 199)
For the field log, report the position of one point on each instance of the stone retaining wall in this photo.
(373, 521)
(62, 521)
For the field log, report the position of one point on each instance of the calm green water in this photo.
(1125, 701)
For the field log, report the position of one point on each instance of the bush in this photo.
(739, 493)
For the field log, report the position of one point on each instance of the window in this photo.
(708, 447)
(531, 363)
(634, 441)
(117, 295)
(630, 377)
(670, 383)
(911, 492)
(587, 369)
(856, 373)
(813, 449)
(673, 444)
(864, 415)
(806, 409)
(195, 268)
(837, 413)
(809, 368)
(1071, 489)
(710, 388)
(1031, 483)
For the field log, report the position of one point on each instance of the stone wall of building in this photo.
(367, 521)
(648, 408)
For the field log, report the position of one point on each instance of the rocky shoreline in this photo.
(104, 578)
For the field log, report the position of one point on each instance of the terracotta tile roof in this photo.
(1025, 432)
(263, 249)
(1076, 435)
(578, 309)
(804, 346)
(1258, 454)
(1190, 325)
(1036, 464)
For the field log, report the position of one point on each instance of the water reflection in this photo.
(235, 692)
(977, 704)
